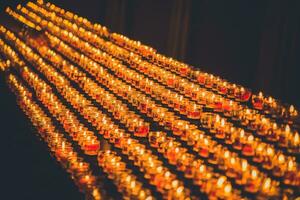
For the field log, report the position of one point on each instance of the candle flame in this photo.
(296, 139)
(287, 129)
(244, 165)
(247, 111)
(132, 184)
(221, 181)
(179, 190)
(242, 133)
(281, 159)
(167, 174)
(205, 141)
(202, 168)
(223, 122)
(232, 161)
(274, 126)
(226, 154)
(270, 151)
(290, 165)
(267, 184)
(270, 100)
(292, 109)
(254, 174)
(63, 145)
(228, 189)
(217, 118)
(250, 138)
(175, 183)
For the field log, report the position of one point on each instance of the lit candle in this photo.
(91, 146)
(194, 111)
(142, 129)
(290, 176)
(284, 135)
(295, 143)
(248, 149)
(279, 167)
(258, 101)
(252, 182)
(268, 163)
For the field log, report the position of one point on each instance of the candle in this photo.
(86, 181)
(221, 129)
(268, 163)
(248, 149)
(279, 167)
(273, 133)
(194, 111)
(258, 101)
(232, 168)
(222, 87)
(252, 182)
(142, 129)
(204, 148)
(284, 135)
(295, 143)
(290, 176)
(156, 138)
(91, 146)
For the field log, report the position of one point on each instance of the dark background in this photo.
(251, 42)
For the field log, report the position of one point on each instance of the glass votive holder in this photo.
(142, 129)
(156, 138)
(91, 146)
(194, 111)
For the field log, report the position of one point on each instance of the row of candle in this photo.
(108, 101)
(86, 139)
(162, 119)
(57, 143)
(267, 105)
(284, 136)
(254, 121)
(73, 73)
(221, 86)
(130, 193)
(134, 122)
(165, 77)
(99, 29)
(8, 50)
(211, 180)
(81, 21)
(117, 171)
(191, 166)
(138, 155)
(159, 94)
(24, 20)
(4, 65)
(79, 75)
(69, 69)
(242, 141)
(132, 190)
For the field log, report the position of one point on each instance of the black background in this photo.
(252, 42)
